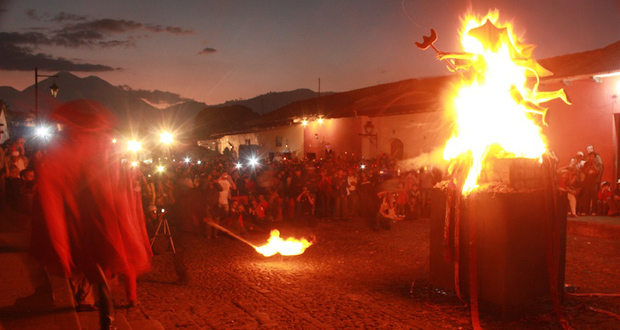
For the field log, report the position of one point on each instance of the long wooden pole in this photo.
(218, 227)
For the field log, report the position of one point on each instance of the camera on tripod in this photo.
(163, 231)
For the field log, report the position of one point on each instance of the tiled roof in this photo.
(591, 62)
(424, 94)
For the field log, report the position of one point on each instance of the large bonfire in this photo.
(496, 104)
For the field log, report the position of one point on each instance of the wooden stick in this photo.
(216, 226)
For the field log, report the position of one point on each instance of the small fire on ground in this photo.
(288, 247)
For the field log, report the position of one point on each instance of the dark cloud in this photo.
(32, 14)
(114, 26)
(170, 29)
(28, 38)
(207, 50)
(104, 26)
(4, 4)
(62, 16)
(19, 49)
(16, 56)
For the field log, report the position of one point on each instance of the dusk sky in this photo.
(213, 51)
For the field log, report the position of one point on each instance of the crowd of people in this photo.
(17, 170)
(587, 195)
(241, 197)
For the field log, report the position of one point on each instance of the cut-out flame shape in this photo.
(495, 100)
(288, 247)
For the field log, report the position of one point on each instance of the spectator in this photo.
(401, 200)
(325, 196)
(353, 198)
(295, 188)
(16, 160)
(275, 205)
(426, 184)
(387, 211)
(225, 182)
(568, 181)
(614, 201)
(598, 161)
(339, 188)
(367, 199)
(26, 192)
(591, 171)
(413, 210)
(306, 206)
(605, 193)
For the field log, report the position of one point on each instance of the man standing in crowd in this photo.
(226, 184)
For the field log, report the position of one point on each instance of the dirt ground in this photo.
(351, 278)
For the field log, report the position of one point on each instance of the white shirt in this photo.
(225, 184)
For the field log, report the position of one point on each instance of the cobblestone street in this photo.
(351, 278)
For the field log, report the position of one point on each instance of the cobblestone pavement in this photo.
(352, 278)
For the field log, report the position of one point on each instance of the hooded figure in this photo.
(86, 214)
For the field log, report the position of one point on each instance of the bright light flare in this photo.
(161, 169)
(134, 146)
(187, 160)
(166, 137)
(134, 164)
(253, 162)
(238, 165)
(43, 132)
(362, 166)
(288, 247)
(320, 120)
(114, 141)
(304, 122)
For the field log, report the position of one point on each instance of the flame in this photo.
(290, 247)
(492, 100)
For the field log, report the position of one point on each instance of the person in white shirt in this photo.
(227, 184)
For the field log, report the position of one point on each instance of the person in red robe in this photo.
(87, 217)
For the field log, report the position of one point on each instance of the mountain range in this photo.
(141, 110)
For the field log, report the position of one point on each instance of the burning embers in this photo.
(288, 247)
(275, 244)
(494, 101)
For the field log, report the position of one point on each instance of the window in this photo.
(278, 141)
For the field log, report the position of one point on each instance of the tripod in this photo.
(163, 229)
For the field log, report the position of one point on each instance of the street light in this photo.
(166, 137)
(53, 89)
(134, 146)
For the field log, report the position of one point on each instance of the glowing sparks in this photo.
(288, 247)
(492, 101)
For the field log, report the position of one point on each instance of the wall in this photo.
(341, 135)
(293, 135)
(420, 133)
(292, 140)
(588, 121)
